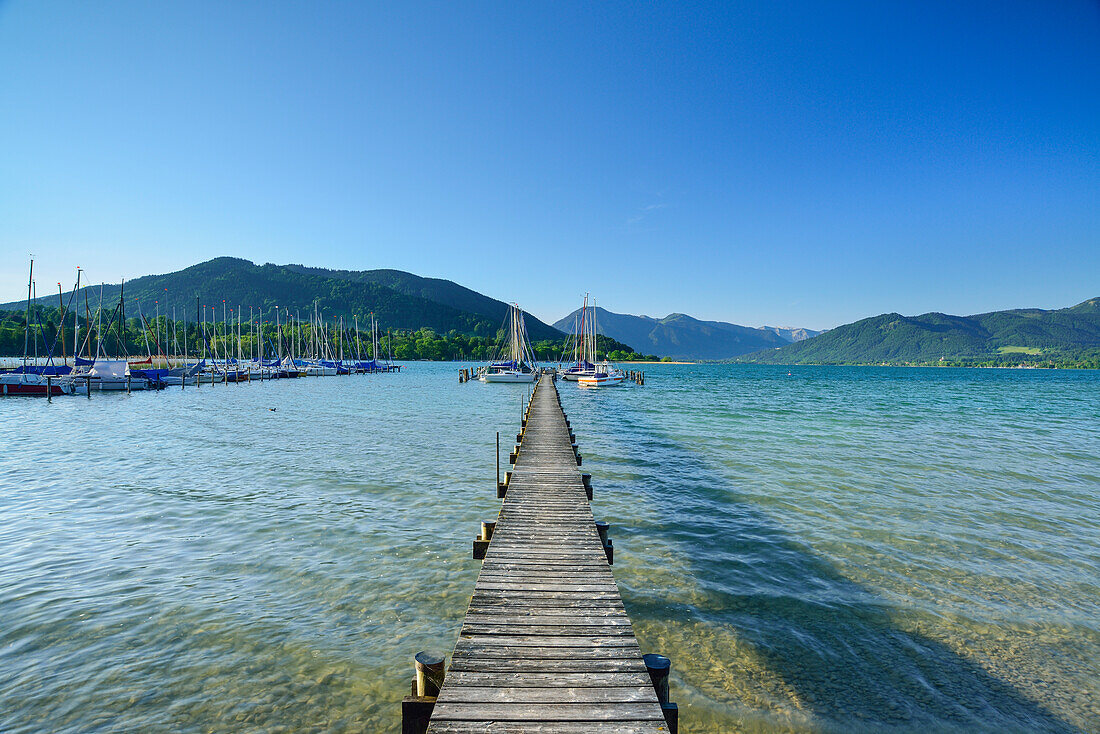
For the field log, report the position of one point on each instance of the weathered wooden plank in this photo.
(479, 628)
(530, 711)
(545, 680)
(556, 641)
(537, 727)
(561, 694)
(544, 653)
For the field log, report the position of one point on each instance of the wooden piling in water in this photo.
(659, 667)
(416, 709)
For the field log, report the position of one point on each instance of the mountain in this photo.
(681, 336)
(399, 300)
(999, 336)
(792, 333)
(437, 290)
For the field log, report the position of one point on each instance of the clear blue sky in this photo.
(785, 163)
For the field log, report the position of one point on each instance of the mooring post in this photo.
(658, 667)
(487, 528)
(498, 463)
(88, 386)
(127, 381)
(609, 550)
(502, 487)
(481, 542)
(416, 710)
(430, 672)
(587, 480)
(49, 389)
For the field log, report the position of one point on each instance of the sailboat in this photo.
(595, 373)
(518, 364)
(34, 379)
(584, 344)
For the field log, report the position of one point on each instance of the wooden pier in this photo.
(546, 645)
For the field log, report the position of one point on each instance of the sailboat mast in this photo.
(61, 326)
(27, 326)
(76, 321)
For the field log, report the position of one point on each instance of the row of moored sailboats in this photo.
(326, 351)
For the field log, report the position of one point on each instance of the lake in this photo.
(833, 549)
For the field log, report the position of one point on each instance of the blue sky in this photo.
(784, 163)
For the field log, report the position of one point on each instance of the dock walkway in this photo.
(546, 645)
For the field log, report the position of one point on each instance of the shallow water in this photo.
(840, 549)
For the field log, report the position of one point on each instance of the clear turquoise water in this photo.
(841, 549)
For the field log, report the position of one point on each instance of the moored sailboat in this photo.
(518, 363)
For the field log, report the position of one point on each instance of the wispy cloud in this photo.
(643, 212)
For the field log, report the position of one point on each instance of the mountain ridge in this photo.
(1009, 336)
(296, 288)
(681, 336)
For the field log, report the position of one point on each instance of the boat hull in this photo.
(509, 377)
(602, 381)
(33, 387)
(573, 376)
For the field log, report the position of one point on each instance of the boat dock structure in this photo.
(546, 644)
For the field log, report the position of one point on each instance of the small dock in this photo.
(546, 645)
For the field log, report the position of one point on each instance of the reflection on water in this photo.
(843, 549)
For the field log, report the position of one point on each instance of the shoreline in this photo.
(658, 362)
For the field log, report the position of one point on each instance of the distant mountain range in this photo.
(400, 300)
(683, 337)
(1020, 335)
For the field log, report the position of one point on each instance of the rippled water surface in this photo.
(838, 549)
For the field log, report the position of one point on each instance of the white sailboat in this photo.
(593, 372)
(584, 345)
(518, 363)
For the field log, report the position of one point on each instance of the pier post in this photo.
(127, 381)
(586, 479)
(659, 667)
(609, 550)
(429, 673)
(49, 389)
(416, 710)
(481, 542)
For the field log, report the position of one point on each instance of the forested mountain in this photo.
(999, 337)
(683, 337)
(399, 300)
(436, 290)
